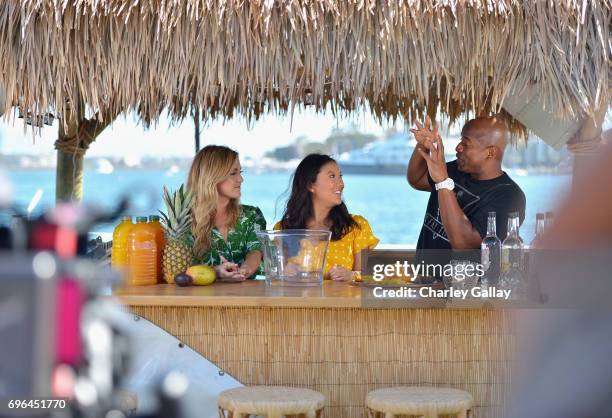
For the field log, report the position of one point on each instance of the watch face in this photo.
(446, 184)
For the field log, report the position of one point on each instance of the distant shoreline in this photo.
(539, 171)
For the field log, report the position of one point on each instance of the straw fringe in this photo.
(344, 353)
(398, 59)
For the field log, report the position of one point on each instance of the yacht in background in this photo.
(104, 166)
(388, 156)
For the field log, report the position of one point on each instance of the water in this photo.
(395, 210)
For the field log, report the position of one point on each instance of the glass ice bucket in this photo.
(294, 257)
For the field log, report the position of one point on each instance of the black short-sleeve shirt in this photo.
(476, 198)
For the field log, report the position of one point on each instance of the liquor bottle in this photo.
(539, 231)
(548, 220)
(512, 257)
(512, 246)
(532, 257)
(490, 252)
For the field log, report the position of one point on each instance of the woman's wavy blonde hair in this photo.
(210, 167)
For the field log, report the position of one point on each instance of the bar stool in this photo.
(427, 402)
(271, 402)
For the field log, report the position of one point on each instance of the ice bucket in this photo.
(294, 257)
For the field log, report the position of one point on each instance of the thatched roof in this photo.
(399, 58)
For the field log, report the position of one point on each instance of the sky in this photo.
(126, 137)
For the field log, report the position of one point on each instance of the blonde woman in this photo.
(223, 233)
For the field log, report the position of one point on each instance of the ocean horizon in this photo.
(395, 210)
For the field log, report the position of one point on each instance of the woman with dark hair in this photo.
(316, 203)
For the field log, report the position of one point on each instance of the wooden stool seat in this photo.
(428, 402)
(271, 402)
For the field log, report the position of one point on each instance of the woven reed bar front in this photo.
(325, 340)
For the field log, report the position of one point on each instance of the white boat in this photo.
(387, 156)
(172, 170)
(105, 166)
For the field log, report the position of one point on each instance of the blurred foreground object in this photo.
(60, 335)
(584, 220)
(26, 304)
(565, 368)
(6, 190)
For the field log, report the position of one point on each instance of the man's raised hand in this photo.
(436, 164)
(427, 134)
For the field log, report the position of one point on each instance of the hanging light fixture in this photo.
(308, 98)
(48, 118)
(37, 120)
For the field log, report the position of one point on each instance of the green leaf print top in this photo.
(241, 239)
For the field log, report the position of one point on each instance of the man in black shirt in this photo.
(465, 190)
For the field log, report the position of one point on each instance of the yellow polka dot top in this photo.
(341, 253)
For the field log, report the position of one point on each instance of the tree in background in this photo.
(340, 140)
(345, 140)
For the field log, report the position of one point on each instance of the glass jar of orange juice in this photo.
(141, 254)
(119, 249)
(160, 239)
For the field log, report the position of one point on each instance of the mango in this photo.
(202, 275)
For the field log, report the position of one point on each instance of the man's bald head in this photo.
(482, 145)
(487, 131)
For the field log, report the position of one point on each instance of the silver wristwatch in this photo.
(446, 184)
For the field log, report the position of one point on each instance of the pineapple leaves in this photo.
(177, 219)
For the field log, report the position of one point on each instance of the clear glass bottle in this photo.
(531, 261)
(539, 231)
(512, 246)
(548, 220)
(490, 253)
(512, 257)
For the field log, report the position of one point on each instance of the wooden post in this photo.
(75, 135)
(69, 170)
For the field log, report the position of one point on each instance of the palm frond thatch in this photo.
(227, 57)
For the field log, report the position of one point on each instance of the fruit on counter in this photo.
(177, 255)
(183, 279)
(202, 275)
(310, 257)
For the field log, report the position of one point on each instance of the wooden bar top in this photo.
(248, 293)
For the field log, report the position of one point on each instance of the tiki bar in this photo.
(207, 309)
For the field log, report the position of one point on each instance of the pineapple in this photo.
(177, 255)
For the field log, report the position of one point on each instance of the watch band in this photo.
(447, 183)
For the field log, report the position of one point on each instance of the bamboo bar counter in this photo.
(323, 339)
